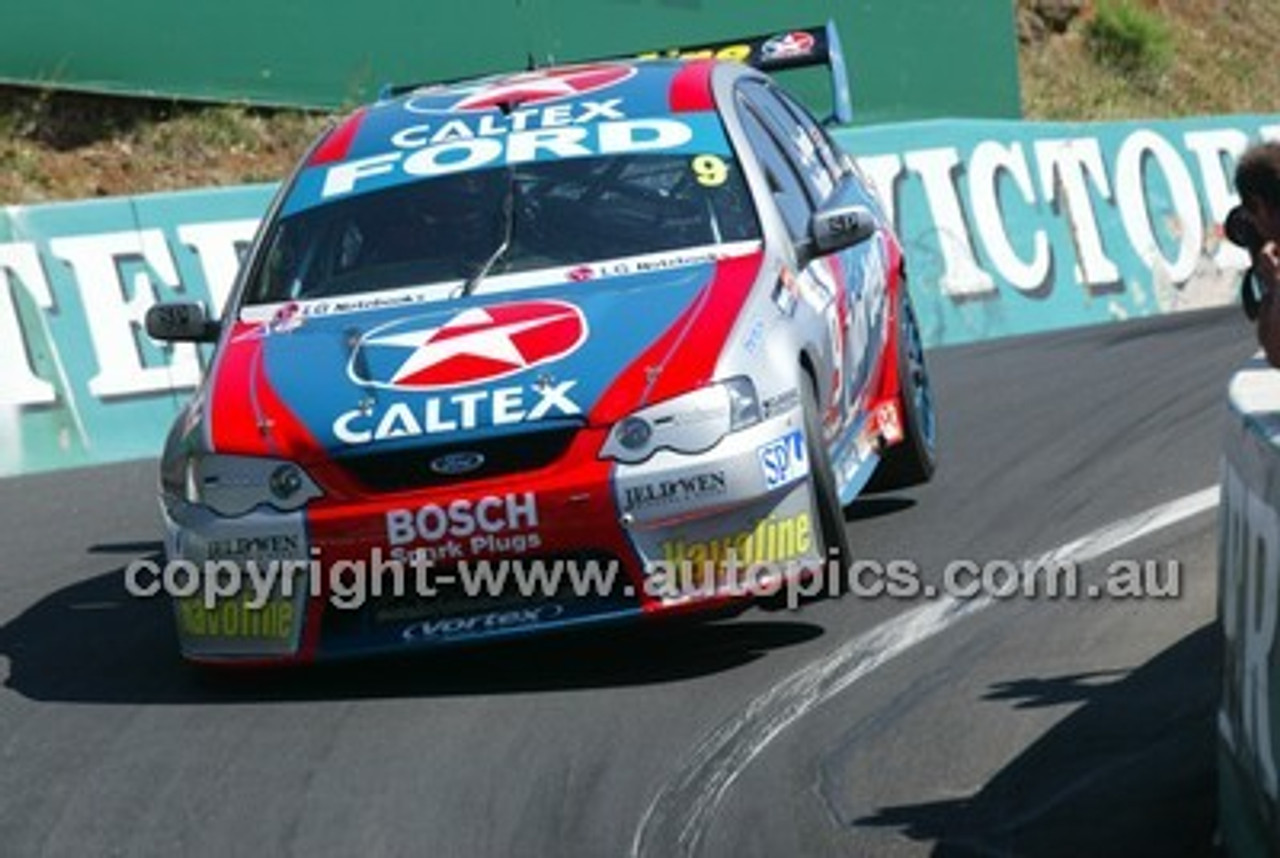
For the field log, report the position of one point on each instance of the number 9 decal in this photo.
(736, 53)
(710, 171)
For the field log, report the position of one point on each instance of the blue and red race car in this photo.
(637, 316)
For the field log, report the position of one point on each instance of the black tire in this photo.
(915, 458)
(835, 538)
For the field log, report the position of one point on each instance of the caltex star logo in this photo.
(477, 345)
(526, 89)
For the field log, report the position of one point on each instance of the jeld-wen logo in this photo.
(1250, 598)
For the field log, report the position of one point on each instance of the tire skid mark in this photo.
(680, 814)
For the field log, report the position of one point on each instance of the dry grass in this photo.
(65, 146)
(60, 146)
(1220, 61)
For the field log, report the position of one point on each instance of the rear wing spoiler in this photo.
(793, 49)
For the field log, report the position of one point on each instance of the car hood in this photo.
(319, 380)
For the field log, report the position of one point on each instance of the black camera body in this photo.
(1240, 230)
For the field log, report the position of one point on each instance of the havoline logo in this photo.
(478, 345)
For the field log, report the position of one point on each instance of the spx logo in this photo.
(783, 459)
(1250, 601)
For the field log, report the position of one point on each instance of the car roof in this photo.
(556, 96)
(648, 87)
(604, 107)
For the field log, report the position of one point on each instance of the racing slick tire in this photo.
(914, 459)
(835, 537)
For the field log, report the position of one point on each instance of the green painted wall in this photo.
(907, 58)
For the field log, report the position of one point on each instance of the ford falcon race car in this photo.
(637, 317)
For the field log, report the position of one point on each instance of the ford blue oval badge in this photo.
(453, 464)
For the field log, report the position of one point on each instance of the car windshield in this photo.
(458, 228)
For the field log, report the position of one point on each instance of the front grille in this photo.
(405, 470)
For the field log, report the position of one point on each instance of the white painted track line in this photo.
(685, 805)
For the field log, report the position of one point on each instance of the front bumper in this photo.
(581, 541)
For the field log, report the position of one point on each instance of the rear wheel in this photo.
(914, 459)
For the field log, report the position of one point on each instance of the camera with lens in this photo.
(1240, 230)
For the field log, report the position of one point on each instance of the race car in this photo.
(638, 321)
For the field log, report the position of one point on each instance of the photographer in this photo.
(1255, 226)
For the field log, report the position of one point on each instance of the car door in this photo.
(809, 172)
(861, 270)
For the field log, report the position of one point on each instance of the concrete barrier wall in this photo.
(1016, 227)
(1010, 228)
(1249, 604)
(79, 380)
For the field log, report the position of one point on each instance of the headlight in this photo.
(744, 408)
(234, 485)
(690, 423)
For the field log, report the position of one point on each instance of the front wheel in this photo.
(835, 538)
(914, 459)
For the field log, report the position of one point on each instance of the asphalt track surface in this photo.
(1034, 727)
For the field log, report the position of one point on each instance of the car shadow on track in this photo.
(93, 642)
(1131, 772)
(867, 507)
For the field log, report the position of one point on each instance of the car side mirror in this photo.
(181, 322)
(836, 228)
